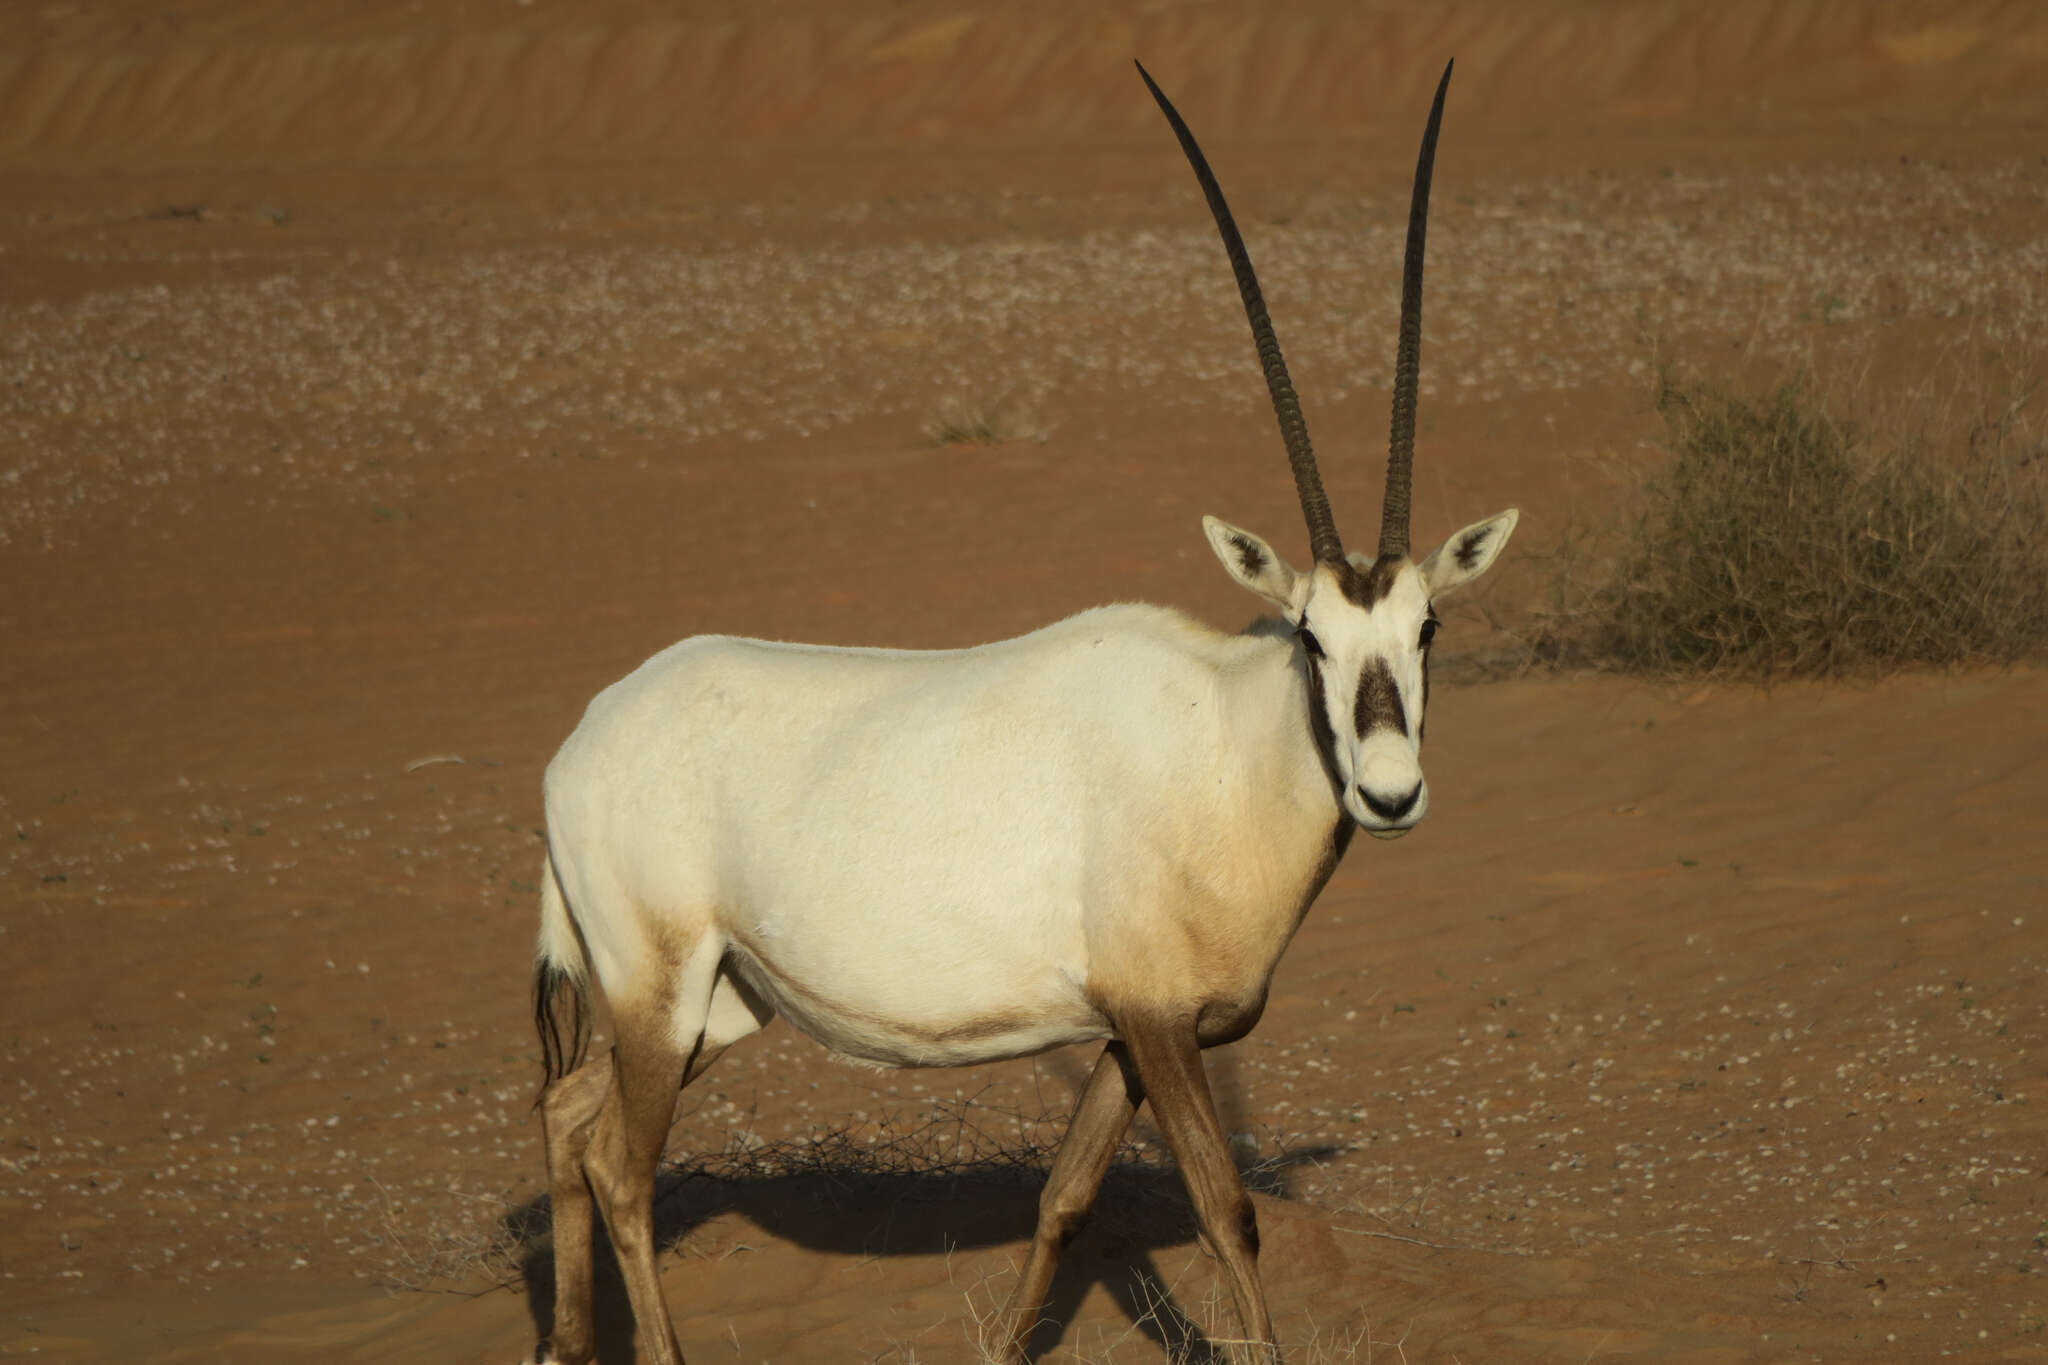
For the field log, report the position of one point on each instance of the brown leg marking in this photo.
(1102, 1113)
(569, 1110)
(1169, 1063)
(625, 1147)
(606, 1125)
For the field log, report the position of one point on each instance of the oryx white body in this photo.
(1107, 829)
(926, 859)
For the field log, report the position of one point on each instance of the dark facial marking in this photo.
(1422, 725)
(1319, 720)
(1391, 810)
(1367, 586)
(1467, 553)
(1249, 556)
(1379, 700)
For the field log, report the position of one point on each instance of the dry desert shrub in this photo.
(960, 422)
(1786, 540)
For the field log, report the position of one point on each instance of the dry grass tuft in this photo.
(959, 422)
(461, 1242)
(1786, 540)
(1189, 1326)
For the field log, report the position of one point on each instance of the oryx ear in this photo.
(1469, 553)
(1252, 563)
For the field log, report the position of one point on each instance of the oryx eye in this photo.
(1429, 626)
(1310, 643)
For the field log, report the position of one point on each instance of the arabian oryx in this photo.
(1106, 830)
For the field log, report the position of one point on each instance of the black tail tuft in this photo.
(553, 988)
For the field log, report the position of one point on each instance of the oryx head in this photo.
(1363, 623)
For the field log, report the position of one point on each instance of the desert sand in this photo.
(378, 381)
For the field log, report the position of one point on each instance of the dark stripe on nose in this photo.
(1379, 700)
(1390, 810)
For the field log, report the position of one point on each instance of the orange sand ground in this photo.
(382, 379)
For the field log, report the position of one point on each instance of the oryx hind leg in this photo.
(568, 1111)
(606, 1125)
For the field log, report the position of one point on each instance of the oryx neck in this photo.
(1276, 689)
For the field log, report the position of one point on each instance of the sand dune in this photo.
(562, 84)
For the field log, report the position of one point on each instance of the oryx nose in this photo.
(1390, 810)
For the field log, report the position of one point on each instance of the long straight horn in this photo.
(1315, 505)
(1408, 352)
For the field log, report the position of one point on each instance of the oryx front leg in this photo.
(1101, 1115)
(1168, 1058)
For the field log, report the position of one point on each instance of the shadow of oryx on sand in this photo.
(960, 1175)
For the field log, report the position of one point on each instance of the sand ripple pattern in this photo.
(373, 84)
